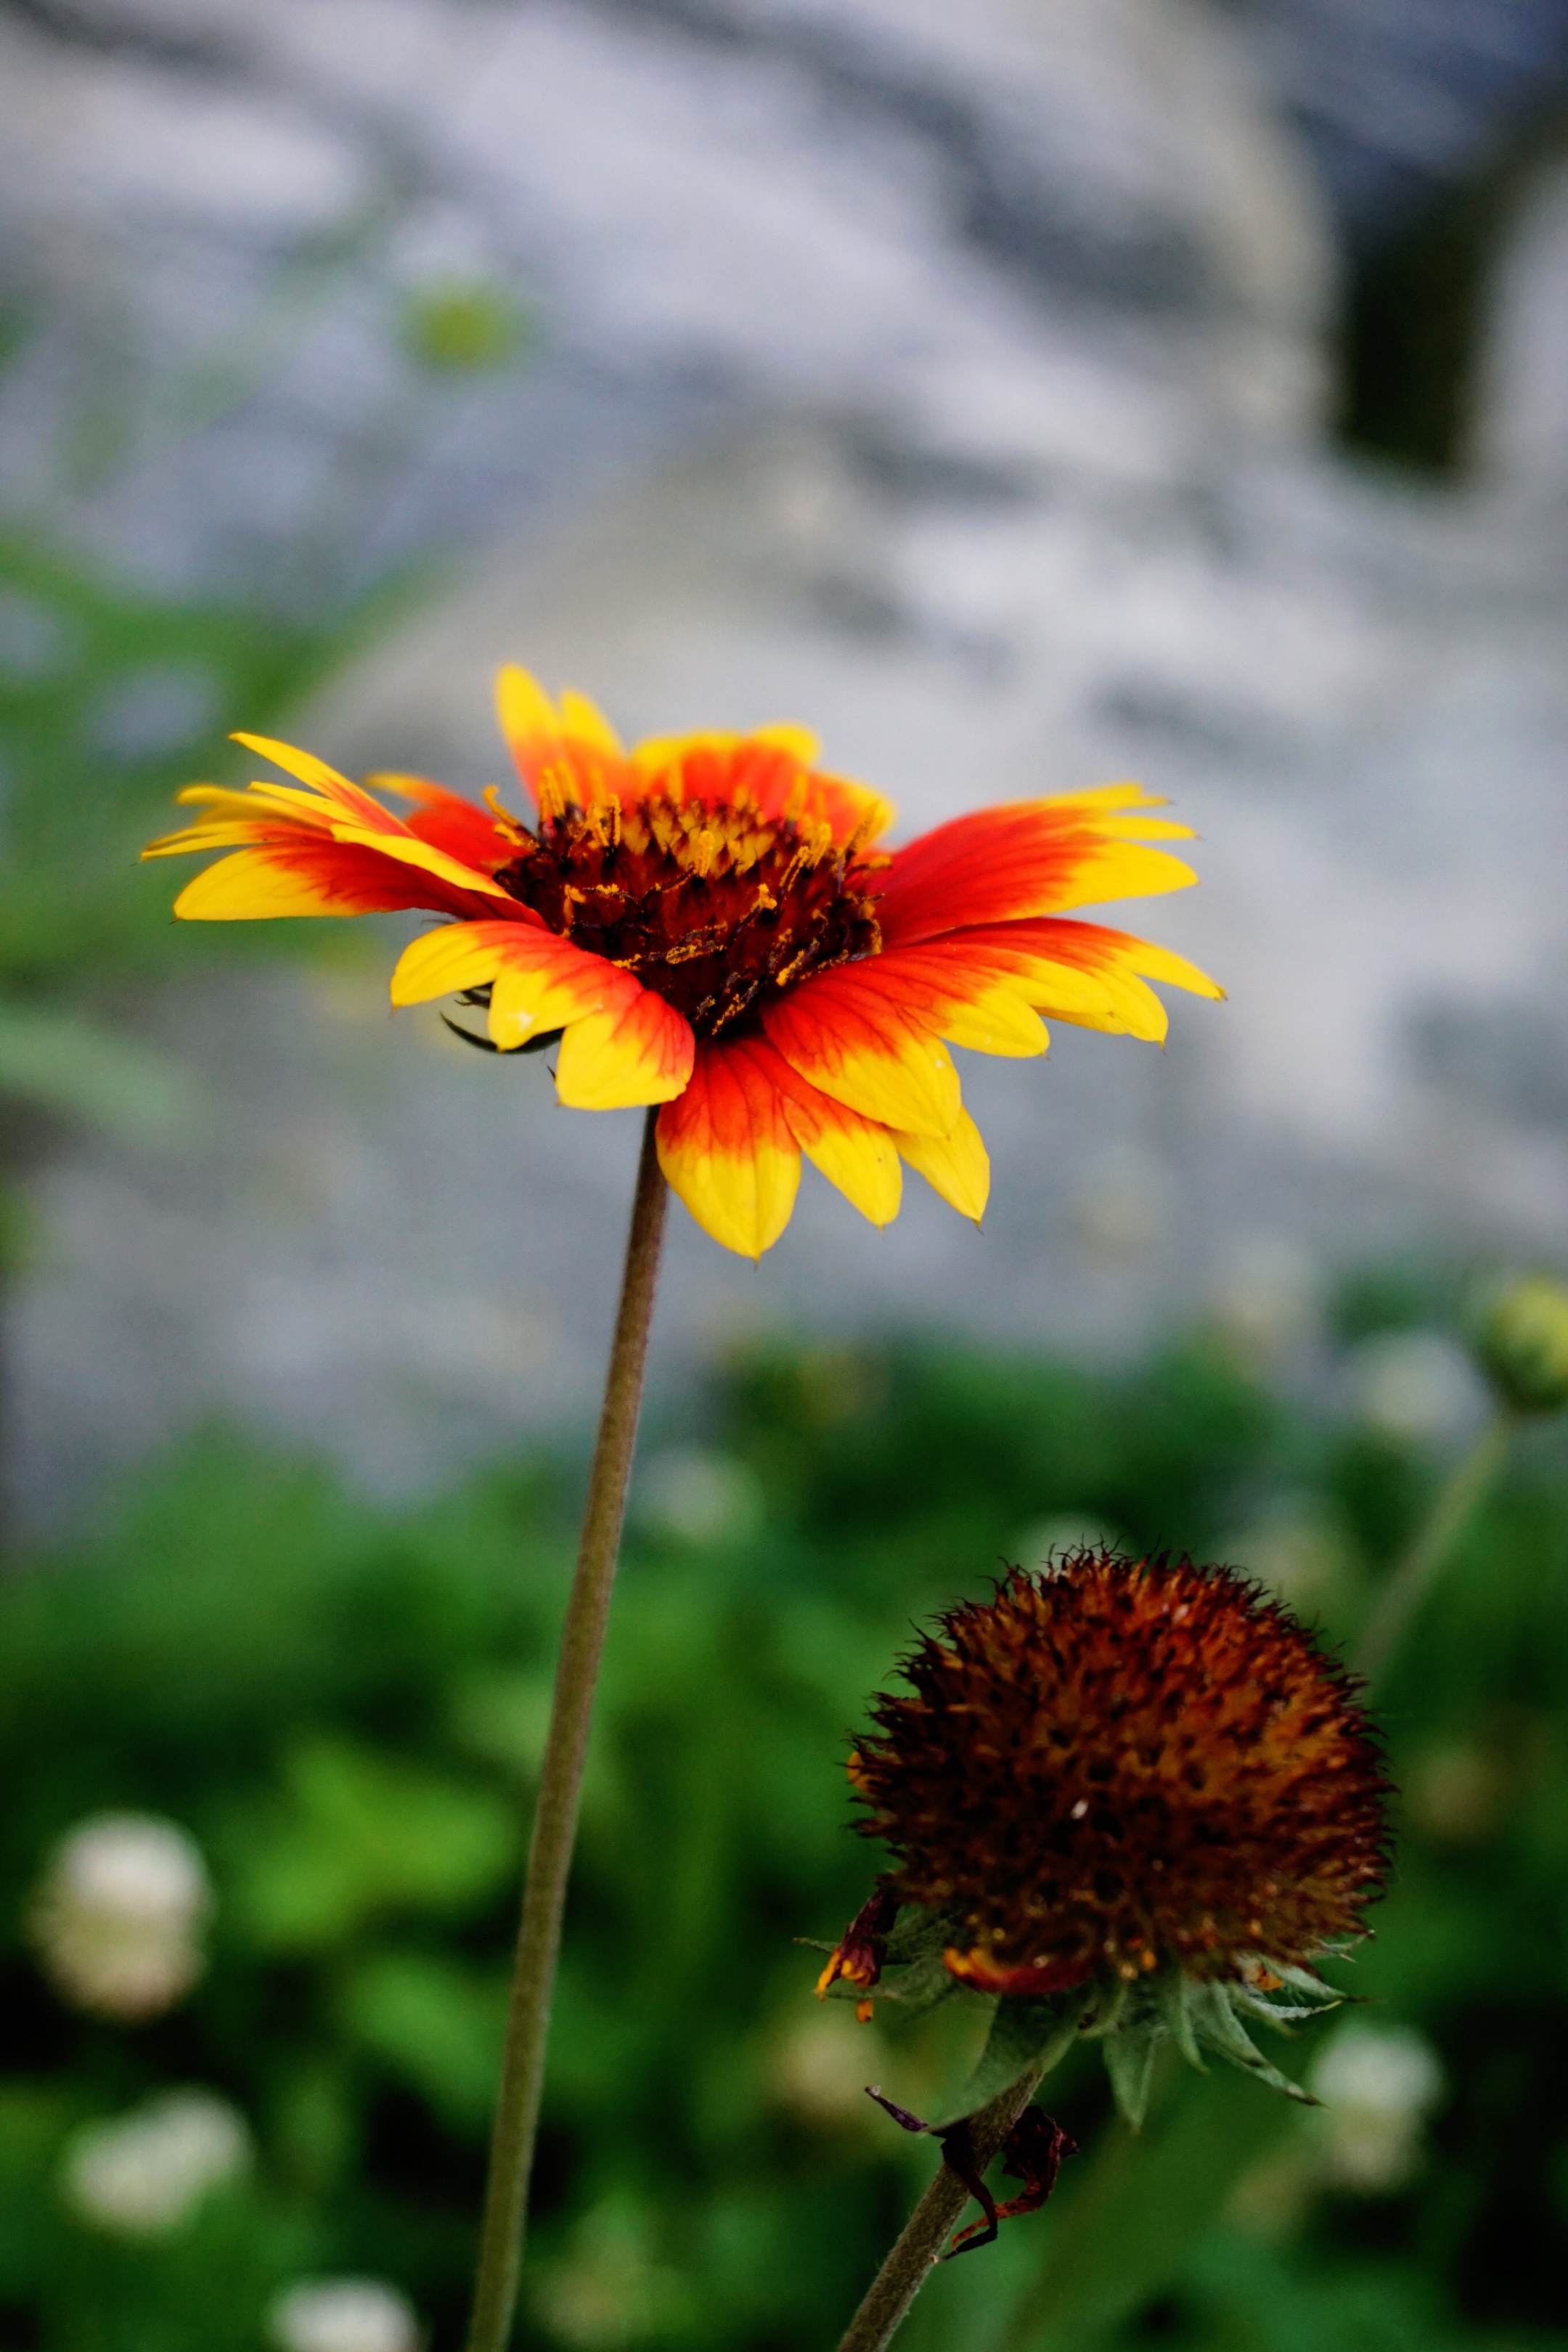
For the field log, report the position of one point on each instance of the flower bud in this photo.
(143, 2175)
(118, 1920)
(1522, 1344)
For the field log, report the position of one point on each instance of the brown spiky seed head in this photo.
(1119, 1763)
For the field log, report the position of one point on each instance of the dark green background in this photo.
(346, 1709)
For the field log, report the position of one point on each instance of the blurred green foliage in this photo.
(111, 698)
(347, 1709)
(113, 695)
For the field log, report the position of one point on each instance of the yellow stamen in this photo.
(505, 821)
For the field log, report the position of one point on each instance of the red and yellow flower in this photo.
(705, 923)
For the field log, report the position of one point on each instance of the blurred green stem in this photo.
(909, 2265)
(1416, 1573)
(560, 1780)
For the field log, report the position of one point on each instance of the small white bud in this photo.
(343, 2316)
(119, 1919)
(141, 2175)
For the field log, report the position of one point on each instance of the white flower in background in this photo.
(1380, 2085)
(143, 2175)
(1420, 1387)
(347, 2314)
(119, 1920)
(1455, 1791)
(818, 2070)
(1290, 1548)
(608, 2292)
(700, 1497)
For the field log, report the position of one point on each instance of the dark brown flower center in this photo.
(710, 907)
(1125, 1762)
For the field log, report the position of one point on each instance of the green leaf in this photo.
(1024, 2034)
(916, 1934)
(1314, 1997)
(1172, 1991)
(1303, 1981)
(436, 2025)
(1129, 2061)
(1106, 2009)
(359, 1835)
(1155, 2196)
(1219, 2029)
(1280, 2014)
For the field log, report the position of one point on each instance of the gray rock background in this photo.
(951, 380)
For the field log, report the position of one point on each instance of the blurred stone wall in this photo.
(950, 380)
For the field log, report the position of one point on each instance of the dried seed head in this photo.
(1121, 1764)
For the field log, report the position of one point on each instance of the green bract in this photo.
(1130, 2020)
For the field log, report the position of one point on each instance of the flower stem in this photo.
(909, 2265)
(1416, 1573)
(560, 1780)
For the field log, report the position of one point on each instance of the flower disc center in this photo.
(709, 906)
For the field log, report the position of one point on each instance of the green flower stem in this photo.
(560, 1780)
(925, 2233)
(1412, 1579)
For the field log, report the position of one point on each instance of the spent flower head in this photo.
(1129, 1796)
(707, 922)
